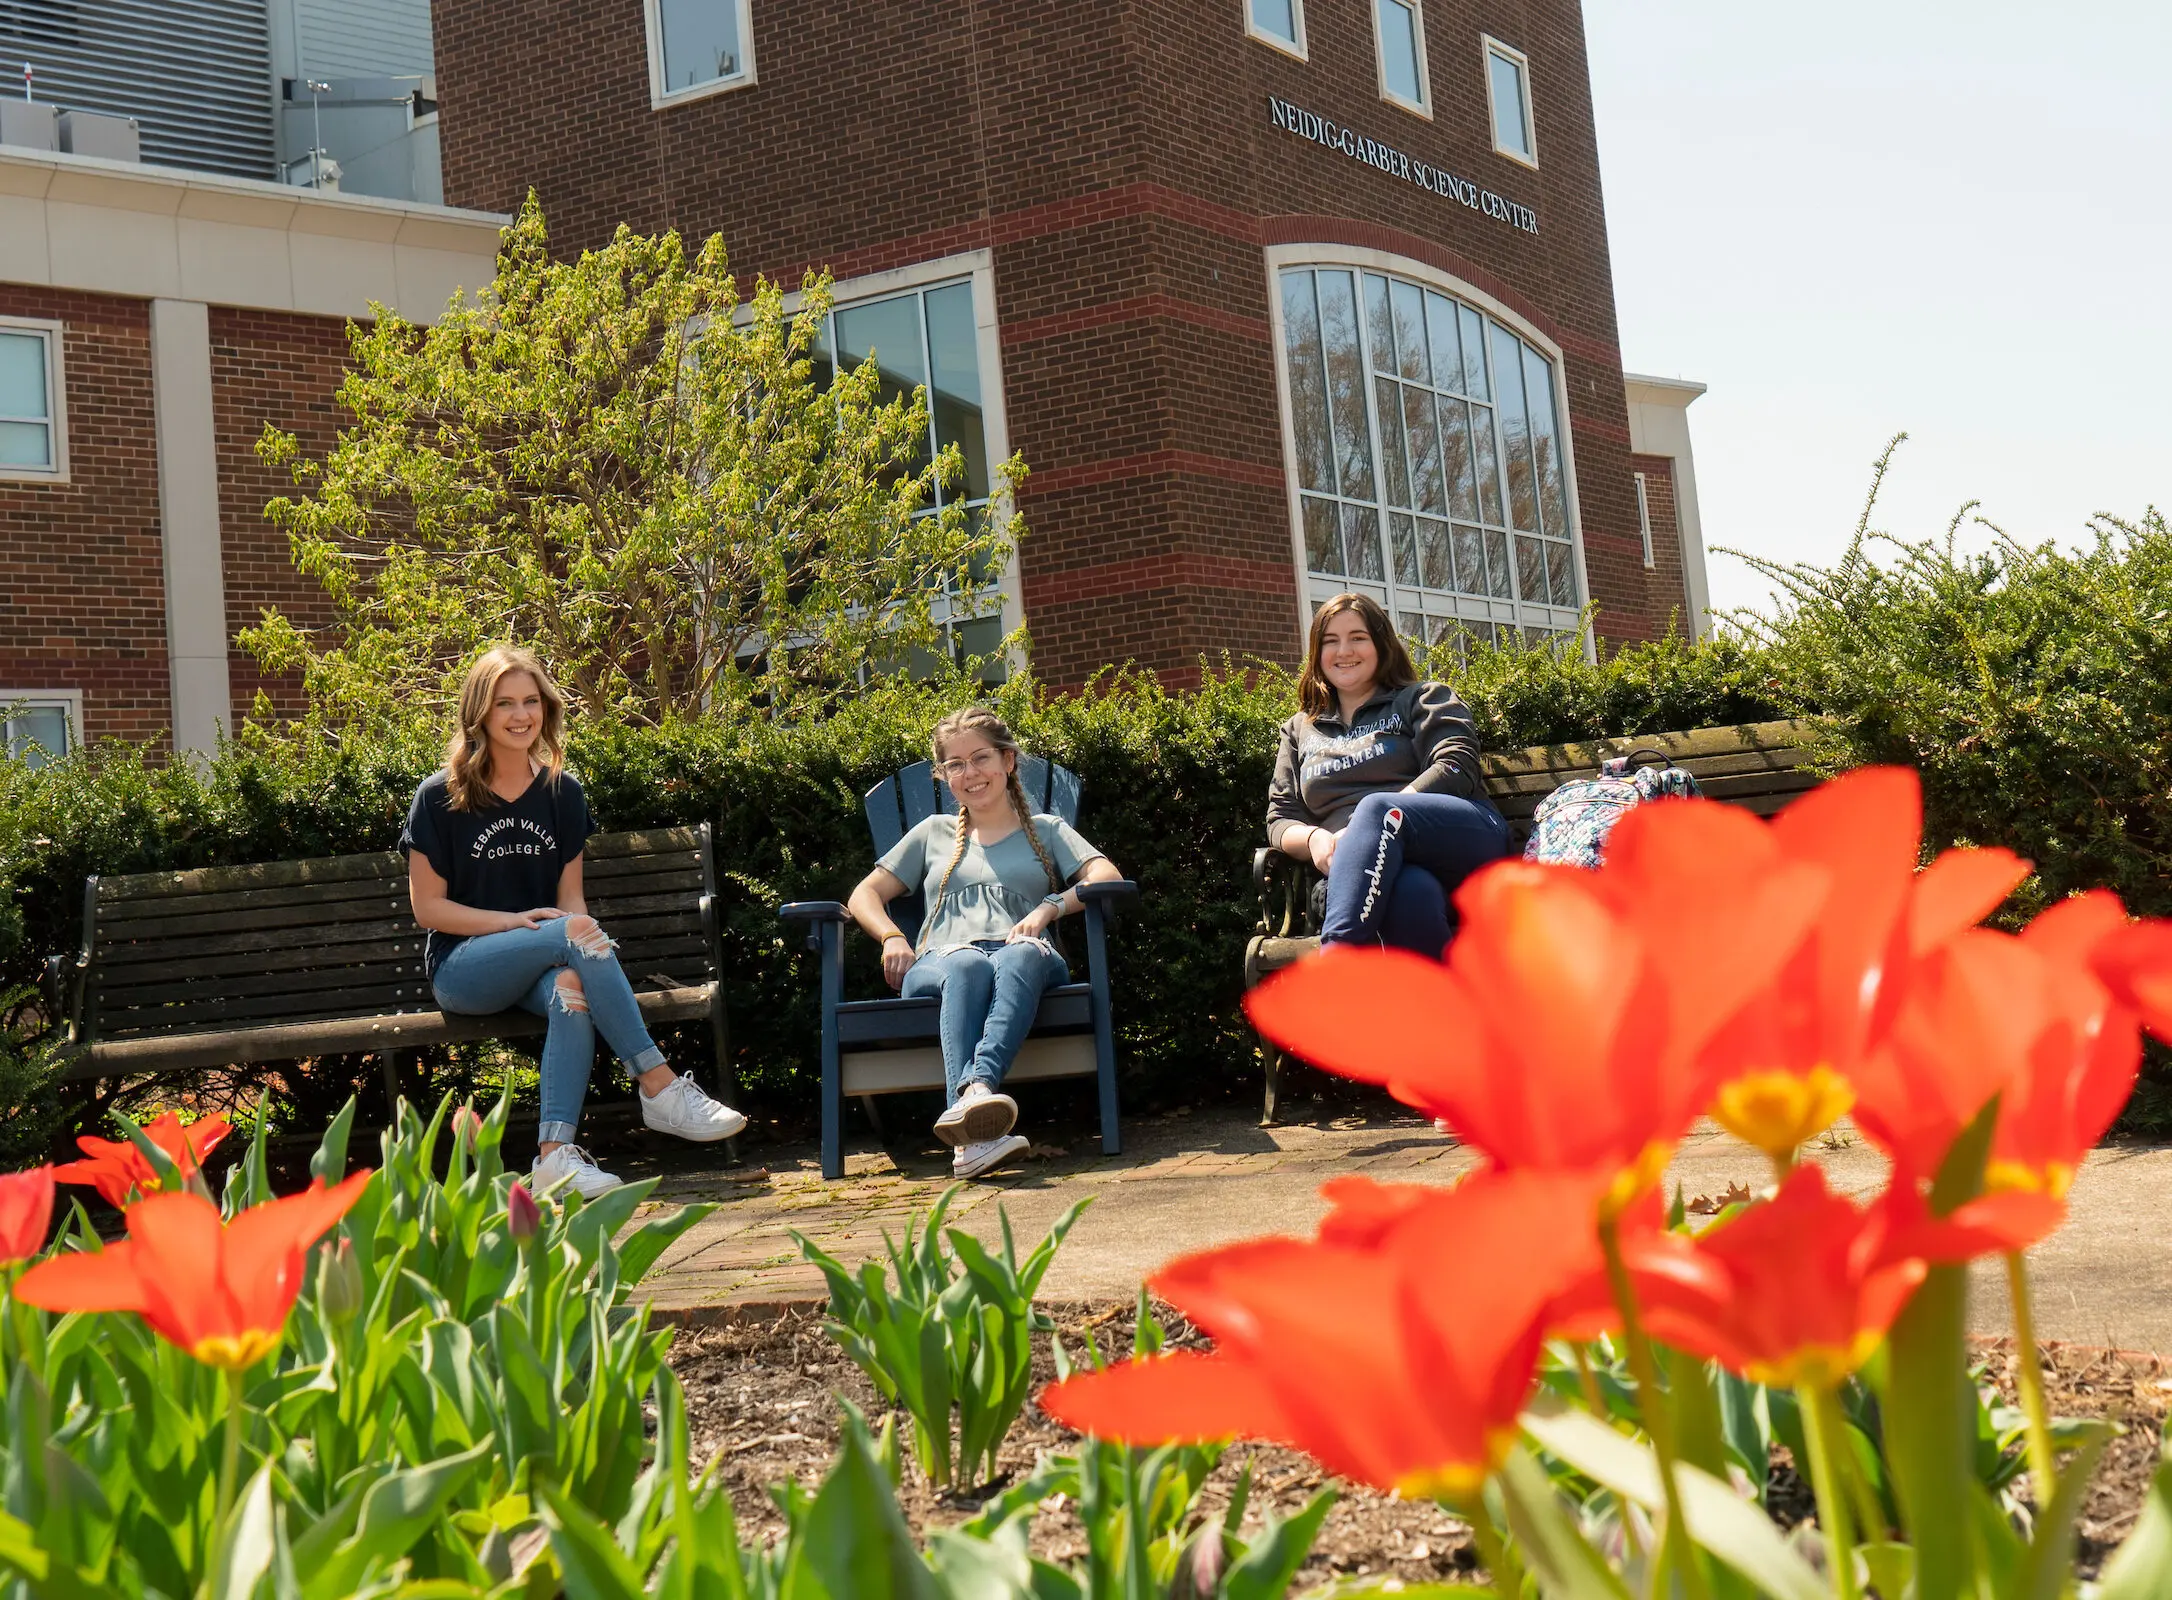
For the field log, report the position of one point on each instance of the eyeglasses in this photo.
(979, 761)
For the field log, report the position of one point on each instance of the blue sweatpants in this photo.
(1398, 863)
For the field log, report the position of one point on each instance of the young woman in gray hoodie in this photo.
(1377, 784)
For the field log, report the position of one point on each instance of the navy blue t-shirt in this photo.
(508, 856)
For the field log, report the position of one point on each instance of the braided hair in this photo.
(980, 720)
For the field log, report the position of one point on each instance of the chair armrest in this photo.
(1263, 865)
(1109, 890)
(814, 911)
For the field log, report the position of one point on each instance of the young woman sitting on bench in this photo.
(993, 880)
(1377, 785)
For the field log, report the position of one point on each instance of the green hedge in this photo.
(2033, 687)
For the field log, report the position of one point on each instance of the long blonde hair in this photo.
(980, 720)
(467, 753)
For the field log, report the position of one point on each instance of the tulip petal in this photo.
(1182, 1397)
(26, 1213)
(1362, 1210)
(1959, 890)
(1372, 1015)
(104, 1280)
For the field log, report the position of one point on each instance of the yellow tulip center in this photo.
(235, 1352)
(2054, 1178)
(1820, 1366)
(1633, 1180)
(1458, 1482)
(1779, 1111)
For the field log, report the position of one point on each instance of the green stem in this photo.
(2029, 1379)
(1652, 1407)
(1493, 1550)
(1822, 1428)
(1590, 1382)
(229, 1471)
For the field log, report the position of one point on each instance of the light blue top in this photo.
(992, 889)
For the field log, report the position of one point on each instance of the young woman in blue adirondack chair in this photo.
(493, 844)
(994, 880)
(1377, 784)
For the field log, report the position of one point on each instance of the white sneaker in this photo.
(569, 1164)
(681, 1108)
(971, 1160)
(978, 1116)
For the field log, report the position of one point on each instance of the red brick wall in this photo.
(1117, 159)
(1666, 584)
(283, 369)
(82, 589)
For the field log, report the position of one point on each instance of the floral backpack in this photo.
(1571, 824)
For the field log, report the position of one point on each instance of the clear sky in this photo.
(1949, 217)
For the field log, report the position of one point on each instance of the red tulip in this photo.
(1787, 1062)
(522, 1215)
(1798, 1289)
(220, 1291)
(26, 1212)
(1567, 1029)
(1401, 1361)
(118, 1170)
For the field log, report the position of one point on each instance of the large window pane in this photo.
(1308, 383)
(1405, 539)
(701, 41)
(1392, 462)
(1511, 119)
(1276, 17)
(22, 375)
(1457, 467)
(1410, 342)
(36, 734)
(1346, 383)
(1440, 324)
(1538, 374)
(956, 392)
(1474, 354)
(1470, 553)
(1560, 573)
(888, 330)
(1425, 485)
(1399, 50)
(1530, 570)
(1489, 465)
(1436, 570)
(1379, 324)
(1515, 431)
(1361, 542)
(1497, 563)
(1323, 536)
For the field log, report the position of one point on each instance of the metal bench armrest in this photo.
(1109, 890)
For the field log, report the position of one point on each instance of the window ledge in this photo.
(702, 91)
(1520, 159)
(1296, 52)
(32, 475)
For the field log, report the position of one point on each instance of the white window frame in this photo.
(56, 399)
(1290, 47)
(1422, 107)
(659, 96)
(1644, 521)
(1489, 48)
(1356, 258)
(70, 702)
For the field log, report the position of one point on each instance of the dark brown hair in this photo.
(1314, 693)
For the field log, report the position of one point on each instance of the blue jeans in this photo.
(519, 967)
(989, 993)
(1399, 862)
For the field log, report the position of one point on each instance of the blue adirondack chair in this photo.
(890, 1045)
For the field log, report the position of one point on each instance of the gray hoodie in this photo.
(1417, 739)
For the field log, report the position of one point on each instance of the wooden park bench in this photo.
(891, 1045)
(290, 960)
(1757, 766)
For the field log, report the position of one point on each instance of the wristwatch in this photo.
(1055, 900)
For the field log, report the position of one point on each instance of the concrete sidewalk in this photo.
(1186, 1181)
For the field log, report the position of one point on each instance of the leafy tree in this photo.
(620, 462)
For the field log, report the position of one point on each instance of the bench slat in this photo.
(681, 874)
(342, 1036)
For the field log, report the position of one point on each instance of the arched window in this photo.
(1429, 456)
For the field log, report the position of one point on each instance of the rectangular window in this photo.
(1644, 519)
(698, 47)
(1508, 92)
(32, 443)
(1280, 23)
(1399, 32)
(37, 727)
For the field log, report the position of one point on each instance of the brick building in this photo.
(1275, 297)
(152, 322)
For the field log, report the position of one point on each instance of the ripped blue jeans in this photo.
(522, 967)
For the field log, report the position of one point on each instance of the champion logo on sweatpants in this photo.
(1390, 826)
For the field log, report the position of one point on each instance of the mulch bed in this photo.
(765, 1394)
